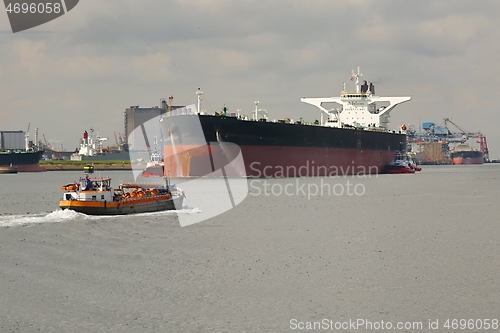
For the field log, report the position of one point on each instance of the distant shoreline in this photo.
(78, 166)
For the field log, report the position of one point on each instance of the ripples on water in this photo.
(69, 215)
(32, 198)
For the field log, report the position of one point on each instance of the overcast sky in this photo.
(85, 68)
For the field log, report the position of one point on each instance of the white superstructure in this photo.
(90, 145)
(155, 159)
(359, 108)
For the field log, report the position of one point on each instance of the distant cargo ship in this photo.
(353, 139)
(92, 149)
(15, 152)
(464, 154)
(24, 161)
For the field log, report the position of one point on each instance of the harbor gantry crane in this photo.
(483, 145)
(465, 134)
(46, 143)
(448, 120)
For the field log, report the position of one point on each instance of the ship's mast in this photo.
(36, 138)
(170, 100)
(355, 77)
(256, 110)
(199, 93)
(154, 150)
(26, 138)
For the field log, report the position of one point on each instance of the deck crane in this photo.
(46, 143)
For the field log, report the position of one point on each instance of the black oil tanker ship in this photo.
(22, 160)
(19, 154)
(351, 140)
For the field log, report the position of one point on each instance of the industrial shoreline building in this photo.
(136, 116)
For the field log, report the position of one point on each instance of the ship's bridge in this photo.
(361, 108)
(353, 95)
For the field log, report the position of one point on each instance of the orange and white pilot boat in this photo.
(96, 196)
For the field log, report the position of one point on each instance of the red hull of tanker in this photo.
(272, 161)
(468, 160)
(467, 157)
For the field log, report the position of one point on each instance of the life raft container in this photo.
(69, 187)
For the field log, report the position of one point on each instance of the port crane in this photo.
(483, 145)
(46, 143)
(465, 134)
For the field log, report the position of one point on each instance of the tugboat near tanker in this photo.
(403, 163)
(155, 166)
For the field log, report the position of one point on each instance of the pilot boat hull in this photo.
(123, 207)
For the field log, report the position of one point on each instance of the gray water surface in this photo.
(411, 248)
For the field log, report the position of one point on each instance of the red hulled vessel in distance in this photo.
(352, 139)
(465, 154)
